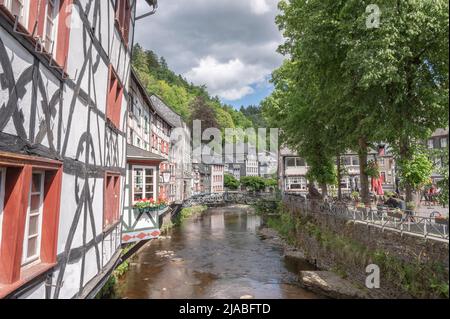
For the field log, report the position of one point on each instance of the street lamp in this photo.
(151, 3)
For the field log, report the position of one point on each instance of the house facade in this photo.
(64, 79)
(217, 172)
(180, 179)
(148, 144)
(437, 143)
(293, 170)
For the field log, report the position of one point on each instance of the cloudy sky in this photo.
(228, 45)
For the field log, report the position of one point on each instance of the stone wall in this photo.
(410, 265)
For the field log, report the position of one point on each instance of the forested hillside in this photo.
(189, 100)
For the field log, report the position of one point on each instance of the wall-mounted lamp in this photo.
(166, 177)
(154, 5)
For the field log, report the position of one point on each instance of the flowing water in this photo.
(218, 255)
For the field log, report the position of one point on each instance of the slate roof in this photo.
(138, 153)
(440, 132)
(166, 112)
(157, 104)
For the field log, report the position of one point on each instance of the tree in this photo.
(188, 100)
(254, 114)
(416, 171)
(254, 183)
(405, 61)
(361, 85)
(201, 111)
(271, 182)
(231, 182)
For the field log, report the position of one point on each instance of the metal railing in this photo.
(385, 218)
(246, 198)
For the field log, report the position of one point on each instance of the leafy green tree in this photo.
(254, 114)
(231, 182)
(364, 84)
(271, 182)
(417, 170)
(186, 99)
(203, 112)
(404, 63)
(253, 183)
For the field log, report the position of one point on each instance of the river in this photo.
(216, 256)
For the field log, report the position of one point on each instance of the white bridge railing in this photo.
(381, 217)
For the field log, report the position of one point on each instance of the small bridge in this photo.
(230, 198)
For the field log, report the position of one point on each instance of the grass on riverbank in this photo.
(418, 279)
(109, 289)
(189, 212)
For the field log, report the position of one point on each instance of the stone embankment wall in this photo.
(409, 266)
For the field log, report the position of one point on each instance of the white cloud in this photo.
(259, 6)
(229, 45)
(231, 80)
(236, 94)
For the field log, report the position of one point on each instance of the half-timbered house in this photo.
(64, 78)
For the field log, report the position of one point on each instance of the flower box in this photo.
(149, 209)
(149, 205)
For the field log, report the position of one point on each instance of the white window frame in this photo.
(133, 177)
(430, 144)
(25, 13)
(36, 258)
(54, 34)
(443, 142)
(297, 180)
(2, 197)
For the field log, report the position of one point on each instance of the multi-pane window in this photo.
(350, 160)
(345, 183)
(30, 193)
(50, 23)
(144, 183)
(444, 142)
(33, 224)
(293, 162)
(18, 8)
(430, 144)
(296, 183)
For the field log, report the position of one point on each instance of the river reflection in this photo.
(216, 256)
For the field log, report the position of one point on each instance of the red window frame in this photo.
(37, 14)
(123, 19)
(114, 100)
(19, 170)
(111, 206)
